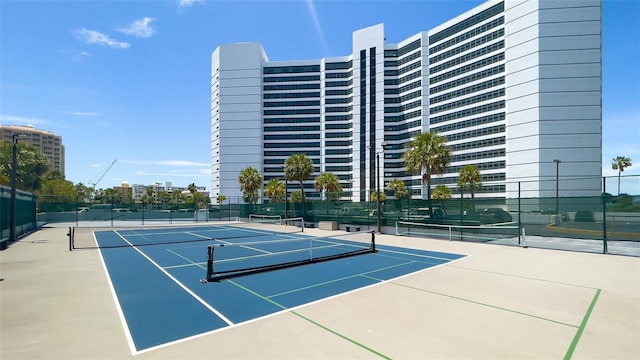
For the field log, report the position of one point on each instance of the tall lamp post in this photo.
(286, 185)
(379, 219)
(557, 185)
(286, 210)
(14, 165)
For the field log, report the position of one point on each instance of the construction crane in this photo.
(93, 184)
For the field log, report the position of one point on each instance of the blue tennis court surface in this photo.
(162, 300)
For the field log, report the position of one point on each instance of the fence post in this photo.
(519, 216)
(604, 215)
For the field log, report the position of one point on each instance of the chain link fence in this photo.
(600, 215)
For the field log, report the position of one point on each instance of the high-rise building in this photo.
(46, 141)
(515, 86)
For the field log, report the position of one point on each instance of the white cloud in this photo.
(95, 37)
(316, 22)
(188, 3)
(173, 174)
(140, 28)
(20, 120)
(167, 163)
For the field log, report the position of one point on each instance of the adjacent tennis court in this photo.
(174, 283)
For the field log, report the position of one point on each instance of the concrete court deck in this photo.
(499, 302)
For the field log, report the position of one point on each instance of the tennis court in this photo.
(157, 273)
(495, 302)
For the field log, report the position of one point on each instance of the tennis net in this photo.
(229, 260)
(505, 234)
(149, 235)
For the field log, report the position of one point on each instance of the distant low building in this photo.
(46, 141)
(125, 191)
(138, 191)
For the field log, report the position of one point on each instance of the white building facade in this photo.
(515, 86)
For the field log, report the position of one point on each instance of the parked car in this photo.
(585, 216)
(421, 214)
(495, 215)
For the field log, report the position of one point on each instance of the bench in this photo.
(328, 225)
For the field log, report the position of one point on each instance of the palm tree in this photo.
(164, 197)
(274, 190)
(470, 178)
(620, 163)
(297, 196)
(428, 153)
(374, 196)
(399, 188)
(221, 198)
(250, 181)
(298, 167)
(176, 196)
(441, 192)
(329, 182)
(151, 195)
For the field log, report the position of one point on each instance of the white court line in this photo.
(199, 299)
(123, 320)
(292, 309)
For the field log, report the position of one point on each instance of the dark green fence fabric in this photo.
(26, 219)
(581, 214)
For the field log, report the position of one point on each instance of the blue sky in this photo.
(129, 80)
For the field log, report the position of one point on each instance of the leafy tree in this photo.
(83, 192)
(429, 155)
(221, 198)
(441, 192)
(329, 182)
(60, 192)
(374, 196)
(146, 199)
(54, 175)
(624, 203)
(98, 195)
(470, 179)
(298, 167)
(620, 163)
(32, 165)
(250, 181)
(112, 196)
(274, 190)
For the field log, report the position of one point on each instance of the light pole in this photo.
(379, 220)
(286, 210)
(286, 185)
(14, 165)
(557, 184)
